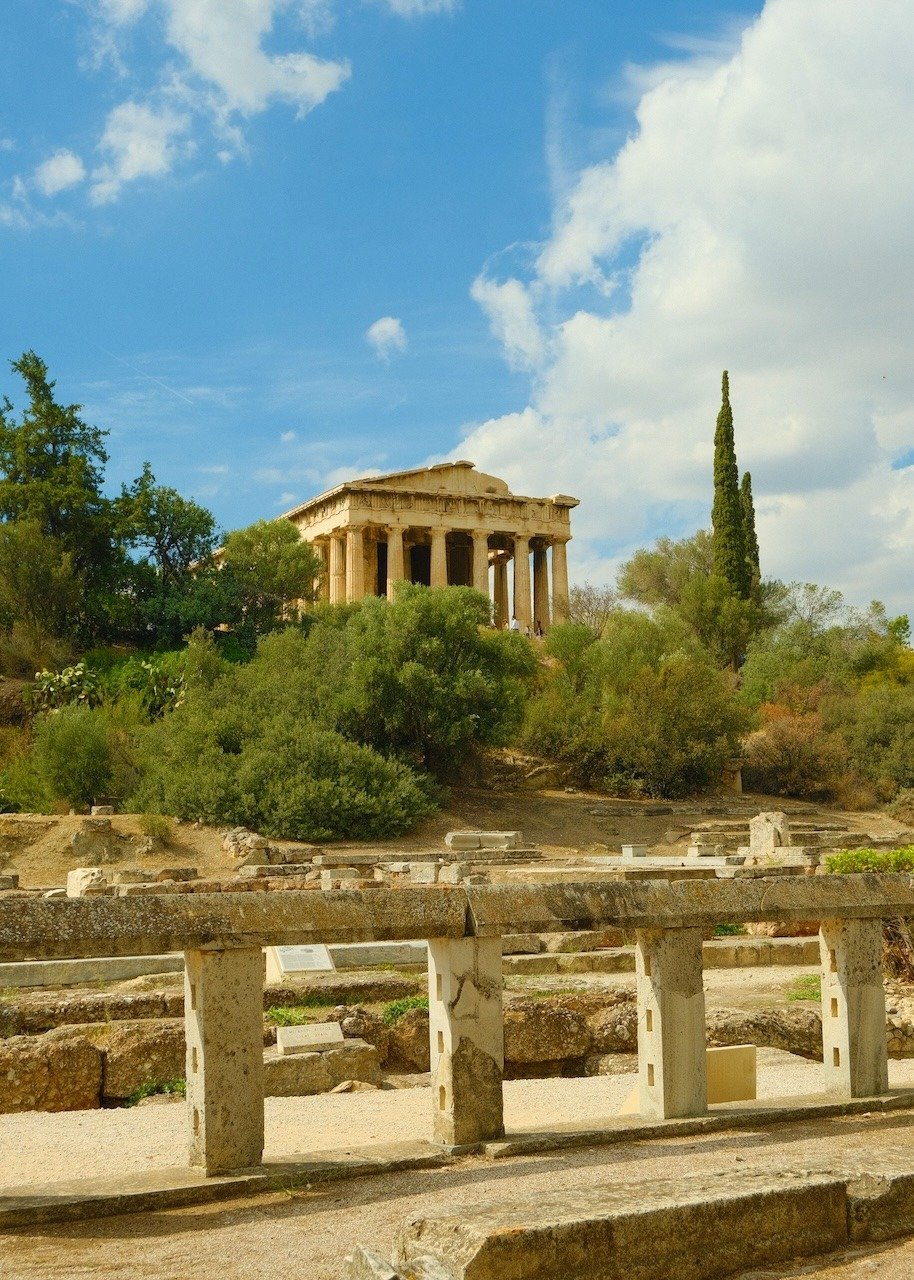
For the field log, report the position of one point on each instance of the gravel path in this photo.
(308, 1233)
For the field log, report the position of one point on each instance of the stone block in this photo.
(102, 810)
(453, 873)
(536, 1031)
(308, 1039)
(462, 840)
(367, 955)
(521, 944)
(85, 881)
(9, 881)
(96, 842)
(299, 1075)
(635, 850)
(132, 875)
(180, 874)
(340, 877)
(423, 873)
(732, 1074)
(136, 1055)
(49, 1073)
(768, 831)
(363, 1264)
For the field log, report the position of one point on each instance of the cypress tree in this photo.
(750, 538)
(727, 513)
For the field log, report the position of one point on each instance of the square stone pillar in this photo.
(541, 616)
(467, 1039)
(223, 1019)
(337, 568)
(481, 561)
(560, 603)
(439, 558)
(672, 1072)
(395, 561)
(853, 1008)
(355, 564)
(522, 582)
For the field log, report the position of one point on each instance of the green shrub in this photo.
(856, 861)
(154, 1087)
(729, 930)
(73, 754)
(156, 826)
(395, 1010)
(78, 685)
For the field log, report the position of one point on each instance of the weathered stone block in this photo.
(137, 1055)
(423, 873)
(539, 1032)
(767, 832)
(83, 881)
(49, 1073)
(303, 1074)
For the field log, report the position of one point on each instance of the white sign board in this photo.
(288, 962)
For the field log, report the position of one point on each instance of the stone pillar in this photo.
(522, 582)
(853, 1008)
(501, 591)
(323, 583)
(541, 587)
(559, 581)
(395, 562)
(439, 558)
(337, 568)
(481, 561)
(223, 1020)
(467, 1039)
(672, 1075)
(355, 564)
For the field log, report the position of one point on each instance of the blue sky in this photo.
(208, 206)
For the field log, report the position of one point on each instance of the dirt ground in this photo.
(562, 824)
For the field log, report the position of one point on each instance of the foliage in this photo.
(395, 1010)
(159, 681)
(591, 606)
(857, 861)
(152, 1087)
(807, 987)
(157, 827)
(40, 590)
(877, 724)
(78, 686)
(729, 930)
(729, 543)
(297, 1015)
(750, 536)
(73, 754)
(175, 532)
(273, 570)
(792, 755)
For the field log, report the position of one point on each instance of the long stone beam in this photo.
(64, 928)
(53, 928)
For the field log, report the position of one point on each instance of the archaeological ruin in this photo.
(446, 525)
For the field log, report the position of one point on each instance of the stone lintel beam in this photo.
(62, 928)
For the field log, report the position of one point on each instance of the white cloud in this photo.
(140, 142)
(7, 144)
(58, 172)
(512, 317)
(757, 220)
(420, 8)
(387, 336)
(287, 437)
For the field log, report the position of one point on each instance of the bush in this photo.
(792, 755)
(395, 1010)
(78, 685)
(73, 754)
(156, 826)
(856, 861)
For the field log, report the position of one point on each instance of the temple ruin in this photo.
(446, 525)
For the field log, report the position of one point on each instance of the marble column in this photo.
(559, 580)
(481, 561)
(541, 586)
(672, 1058)
(522, 582)
(337, 568)
(853, 1009)
(323, 581)
(355, 564)
(501, 590)
(223, 1022)
(466, 1026)
(395, 562)
(439, 558)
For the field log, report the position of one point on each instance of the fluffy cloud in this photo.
(58, 172)
(139, 142)
(419, 8)
(387, 336)
(758, 219)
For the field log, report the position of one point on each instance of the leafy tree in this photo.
(591, 606)
(750, 537)
(661, 574)
(274, 570)
(73, 754)
(40, 590)
(51, 472)
(729, 543)
(174, 532)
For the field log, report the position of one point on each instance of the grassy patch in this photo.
(854, 861)
(156, 1086)
(806, 987)
(395, 1010)
(729, 930)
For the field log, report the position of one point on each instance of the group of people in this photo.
(537, 630)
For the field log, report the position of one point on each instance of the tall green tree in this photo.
(274, 570)
(750, 537)
(174, 532)
(52, 469)
(727, 512)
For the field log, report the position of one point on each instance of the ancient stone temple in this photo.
(447, 525)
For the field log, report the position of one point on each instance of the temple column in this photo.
(559, 580)
(355, 564)
(323, 579)
(439, 558)
(337, 568)
(481, 561)
(541, 587)
(522, 582)
(395, 570)
(501, 591)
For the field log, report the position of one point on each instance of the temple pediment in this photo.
(444, 477)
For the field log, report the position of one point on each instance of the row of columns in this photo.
(223, 1012)
(344, 573)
